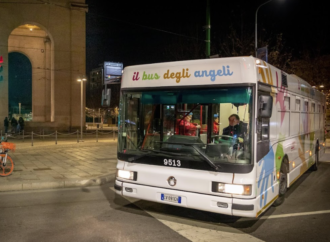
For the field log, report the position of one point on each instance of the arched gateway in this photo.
(51, 37)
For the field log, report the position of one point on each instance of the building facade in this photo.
(52, 35)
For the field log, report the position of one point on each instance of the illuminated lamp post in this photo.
(81, 80)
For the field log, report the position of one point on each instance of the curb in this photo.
(23, 186)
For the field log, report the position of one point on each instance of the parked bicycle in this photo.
(6, 162)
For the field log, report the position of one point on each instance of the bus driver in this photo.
(236, 128)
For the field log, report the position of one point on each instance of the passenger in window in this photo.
(186, 127)
(236, 128)
(216, 124)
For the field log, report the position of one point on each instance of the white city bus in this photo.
(174, 146)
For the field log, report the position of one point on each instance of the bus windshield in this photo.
(189, 128)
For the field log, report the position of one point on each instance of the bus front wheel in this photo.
(283, 184)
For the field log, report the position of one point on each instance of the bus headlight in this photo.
(231, 188)
(129, 175)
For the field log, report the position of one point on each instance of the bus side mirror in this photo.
(265, 106)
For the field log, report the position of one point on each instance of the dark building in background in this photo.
(104, 85)
(103, 92)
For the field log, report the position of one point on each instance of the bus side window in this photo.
(297, 105)
(265, 102)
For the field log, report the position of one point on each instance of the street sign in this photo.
(112, 72)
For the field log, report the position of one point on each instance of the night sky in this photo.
(142, 32)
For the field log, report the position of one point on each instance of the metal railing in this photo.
(56, 136)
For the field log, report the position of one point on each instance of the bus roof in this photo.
(191, 73)
(217, 71)
(281, 81)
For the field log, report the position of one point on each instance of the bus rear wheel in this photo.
(315, 165)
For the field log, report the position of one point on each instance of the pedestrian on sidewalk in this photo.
(6, 123)
(13, 123)
(21, 123)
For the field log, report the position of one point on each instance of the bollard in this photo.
(77, 136)
(32, 138)
(56, 137)
(97, 137)
(23, 135)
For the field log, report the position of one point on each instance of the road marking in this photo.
(292, 215)
(198, 231)
(199, 234)
(284, 216)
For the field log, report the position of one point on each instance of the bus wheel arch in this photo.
(283, 181)
(317, 156)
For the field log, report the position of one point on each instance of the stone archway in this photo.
(53, 37)
(36, 44)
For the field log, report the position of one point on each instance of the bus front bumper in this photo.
(205, 202)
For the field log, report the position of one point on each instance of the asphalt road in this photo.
(98, 214)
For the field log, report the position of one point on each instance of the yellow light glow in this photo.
(310, 153)
(247, 190)
(278, 175)
(293, 164)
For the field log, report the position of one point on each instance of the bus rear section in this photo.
(189, 147)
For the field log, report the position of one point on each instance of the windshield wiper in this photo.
(151, 151)
(208, 161)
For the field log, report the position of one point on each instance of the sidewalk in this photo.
(68, 164)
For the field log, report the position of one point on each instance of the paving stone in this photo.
(71, 164)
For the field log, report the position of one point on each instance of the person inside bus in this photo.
(216, 124)
(186, 127)
(236, 128)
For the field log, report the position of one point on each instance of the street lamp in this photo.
(256, 29)
(81, 80)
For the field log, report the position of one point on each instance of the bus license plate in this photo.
(170, 198)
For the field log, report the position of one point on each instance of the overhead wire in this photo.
(147, 27)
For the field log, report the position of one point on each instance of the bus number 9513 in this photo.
(171, 162)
